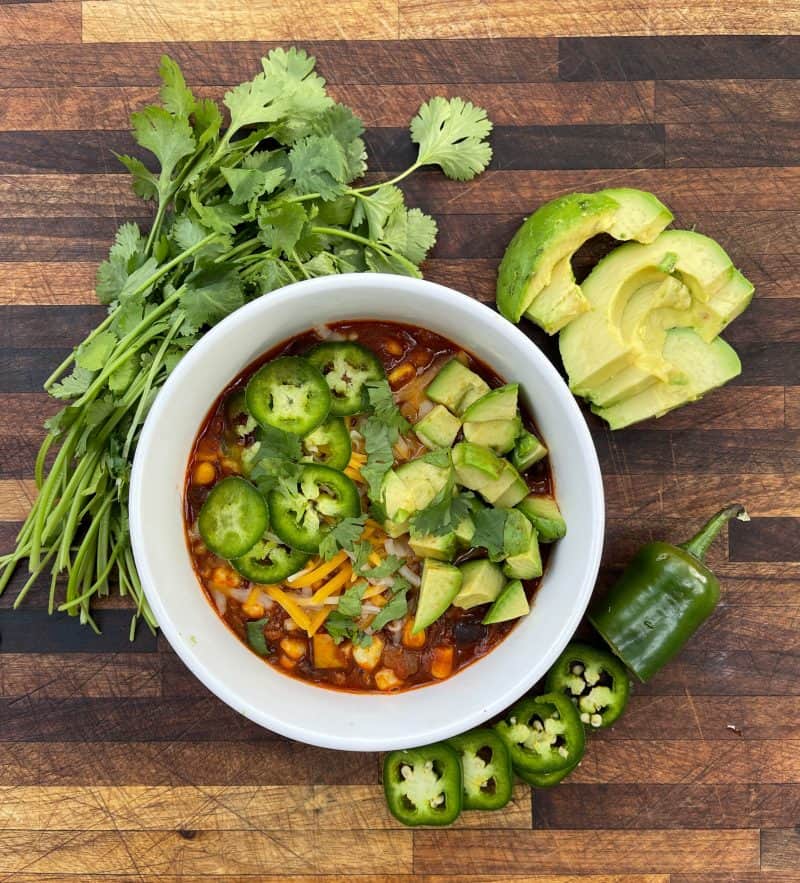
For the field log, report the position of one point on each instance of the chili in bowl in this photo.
(396, 524)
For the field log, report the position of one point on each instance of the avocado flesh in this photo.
(438, 428)
(440, 584)
(412, 487)
(511, 604)
(481, 583)
(441, 546)
(527, 451)
(456, 387)
(526, 565)
(594, 348)
(497, 435)
(537, 261)
(499, 404)
(706, 365)
(545, 516)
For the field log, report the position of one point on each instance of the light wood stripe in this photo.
(591, 851)
(25, 23)
(420, 19)
(389, 878)
(212, 852)
(134, 21)
(16, 498)
(216, 808)
(29, 283)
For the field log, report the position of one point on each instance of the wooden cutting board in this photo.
(115, 764)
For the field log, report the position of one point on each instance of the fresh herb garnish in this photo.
(256, 637)
(350, 600)
(396, 607)
(489, 533)
(390, 564)
(238, 211)
(341, 627)
(345, 534)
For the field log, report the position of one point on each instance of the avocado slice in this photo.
(438, 428)
(510, 604)
(527, 451)
(465, 531)
(499, 404)
(456, 387)
(706, 365)
(481, 583)
(440, 584)
(481, 470)
(516, 533)
(526, 564)
(536, 264)
(497, 435)
(543, 513)
(439, 546)
(637, 293)
(411, 487)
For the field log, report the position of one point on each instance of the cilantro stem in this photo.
(369, 243)
(369, 188)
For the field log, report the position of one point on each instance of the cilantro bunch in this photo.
(239, 210)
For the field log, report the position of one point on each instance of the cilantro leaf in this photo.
(176, 96)
(279, 444)
(390, 564)
(281, 226)
(410, 232)
(489, 532)
(396, 608)
(145, 183)
(385, 409)
(380, 456)
(319, 165)
(94, 354)
(380, 261)
(341, 627)
(450, 134)
(350, 600)
(73, 385)
(212, 293)
(165, 135)
(343, 535)
(442, 515)
(247, 184)
(375, 208)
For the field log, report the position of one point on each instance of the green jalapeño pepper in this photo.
(423, 785)
(595, 681)
(661, 600)
(485, 769)
(305, 507)
(545, 780)
(543, 734)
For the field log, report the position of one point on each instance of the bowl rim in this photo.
(472, 310)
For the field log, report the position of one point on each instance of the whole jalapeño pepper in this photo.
(661, 600)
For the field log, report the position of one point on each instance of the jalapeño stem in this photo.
(699, 544)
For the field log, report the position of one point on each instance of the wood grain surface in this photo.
(115, 764)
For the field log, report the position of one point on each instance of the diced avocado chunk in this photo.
(499, 404)
(514, 492)
(543, 513)
(510, 604)
(411, 487)
(439, 546)
(481, 470)
(707, 366)
(516, 533)
(456, 387)
(527, 451)
(497, 435)
(395, 529)
(465, 531)
(482, 582)
(537, 261)
(527, 564)
(438, 428)
(441, 583)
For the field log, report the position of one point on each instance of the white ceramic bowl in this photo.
(372, 721)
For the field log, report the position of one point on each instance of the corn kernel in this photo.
(402, 374)
(204, 473)
(386, 679)
(394, 347)
(294, 648)
(225, 577)
(287, 663)
(253, 609)
(368, 657)
(412, 642)
(442, 662)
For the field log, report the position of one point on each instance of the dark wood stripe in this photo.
(766, 539)
(279, 762)
(730, 144)
(68, 239)
(41, 327)
(780, 850)
(26, 370)
(678, 58)
(222, 63)
(29, 630)
(685, 805)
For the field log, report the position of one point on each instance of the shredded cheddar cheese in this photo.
(317, 621)
(295, 611)
(320, 572)
(333, 585)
